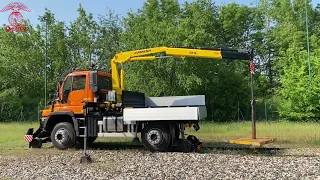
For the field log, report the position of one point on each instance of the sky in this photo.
(66, 10)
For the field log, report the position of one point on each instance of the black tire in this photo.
(63, 136)
(156, 137)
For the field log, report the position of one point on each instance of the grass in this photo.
(12, 134)
(12, 138)
(288, 134)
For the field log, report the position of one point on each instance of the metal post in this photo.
(308, 46)
(45, 77)
(85, 158)
(85, 142)
(45, 62)
(253, 110)
(252, 103)
(238, 111)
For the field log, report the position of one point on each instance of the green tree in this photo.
(109, 39)
(297, 99)
(82, 40)
(197, 24)
(20, 69)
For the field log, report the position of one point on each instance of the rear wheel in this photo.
(63, 136)
(156, 137)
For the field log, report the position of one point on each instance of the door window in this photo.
(73, 83)
(66, 89)
(104, 82)
(79, 82)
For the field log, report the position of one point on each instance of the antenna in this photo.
(308, 44)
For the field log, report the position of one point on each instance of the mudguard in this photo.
(71, 114)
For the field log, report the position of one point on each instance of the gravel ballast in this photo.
(134, 164)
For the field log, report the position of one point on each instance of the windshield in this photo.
(104, 82)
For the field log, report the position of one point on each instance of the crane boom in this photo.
(140, 55)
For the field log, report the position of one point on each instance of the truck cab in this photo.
(78, 87)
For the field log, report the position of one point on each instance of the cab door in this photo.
(78, 88)
(73, 93)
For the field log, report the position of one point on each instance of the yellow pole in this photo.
(122, 79)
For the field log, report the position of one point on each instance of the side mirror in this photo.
(50, 99)
(58, 90)
(51, 96)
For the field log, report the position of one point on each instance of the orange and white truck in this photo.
(98, 101)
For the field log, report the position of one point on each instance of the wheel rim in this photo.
(154, 137)
(61, 136)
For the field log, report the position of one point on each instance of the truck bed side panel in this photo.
(198, 100)
(164, 113)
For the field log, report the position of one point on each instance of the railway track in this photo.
(211, 146)
(227, 149)
(205, 149)
(269, 151)
(252, 149)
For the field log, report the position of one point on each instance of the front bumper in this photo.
(36, 139)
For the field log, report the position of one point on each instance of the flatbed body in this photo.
(172, 109)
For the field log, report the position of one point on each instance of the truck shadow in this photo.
(119, 146)
(208, 148)
(110, 146)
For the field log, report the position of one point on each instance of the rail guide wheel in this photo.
(254, 141)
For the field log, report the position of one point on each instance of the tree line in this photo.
(276, 30)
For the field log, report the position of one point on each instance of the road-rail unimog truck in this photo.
(98, 101)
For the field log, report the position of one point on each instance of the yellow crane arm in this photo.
(140, 55)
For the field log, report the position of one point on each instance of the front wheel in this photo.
(156, 137)
(63, 136)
